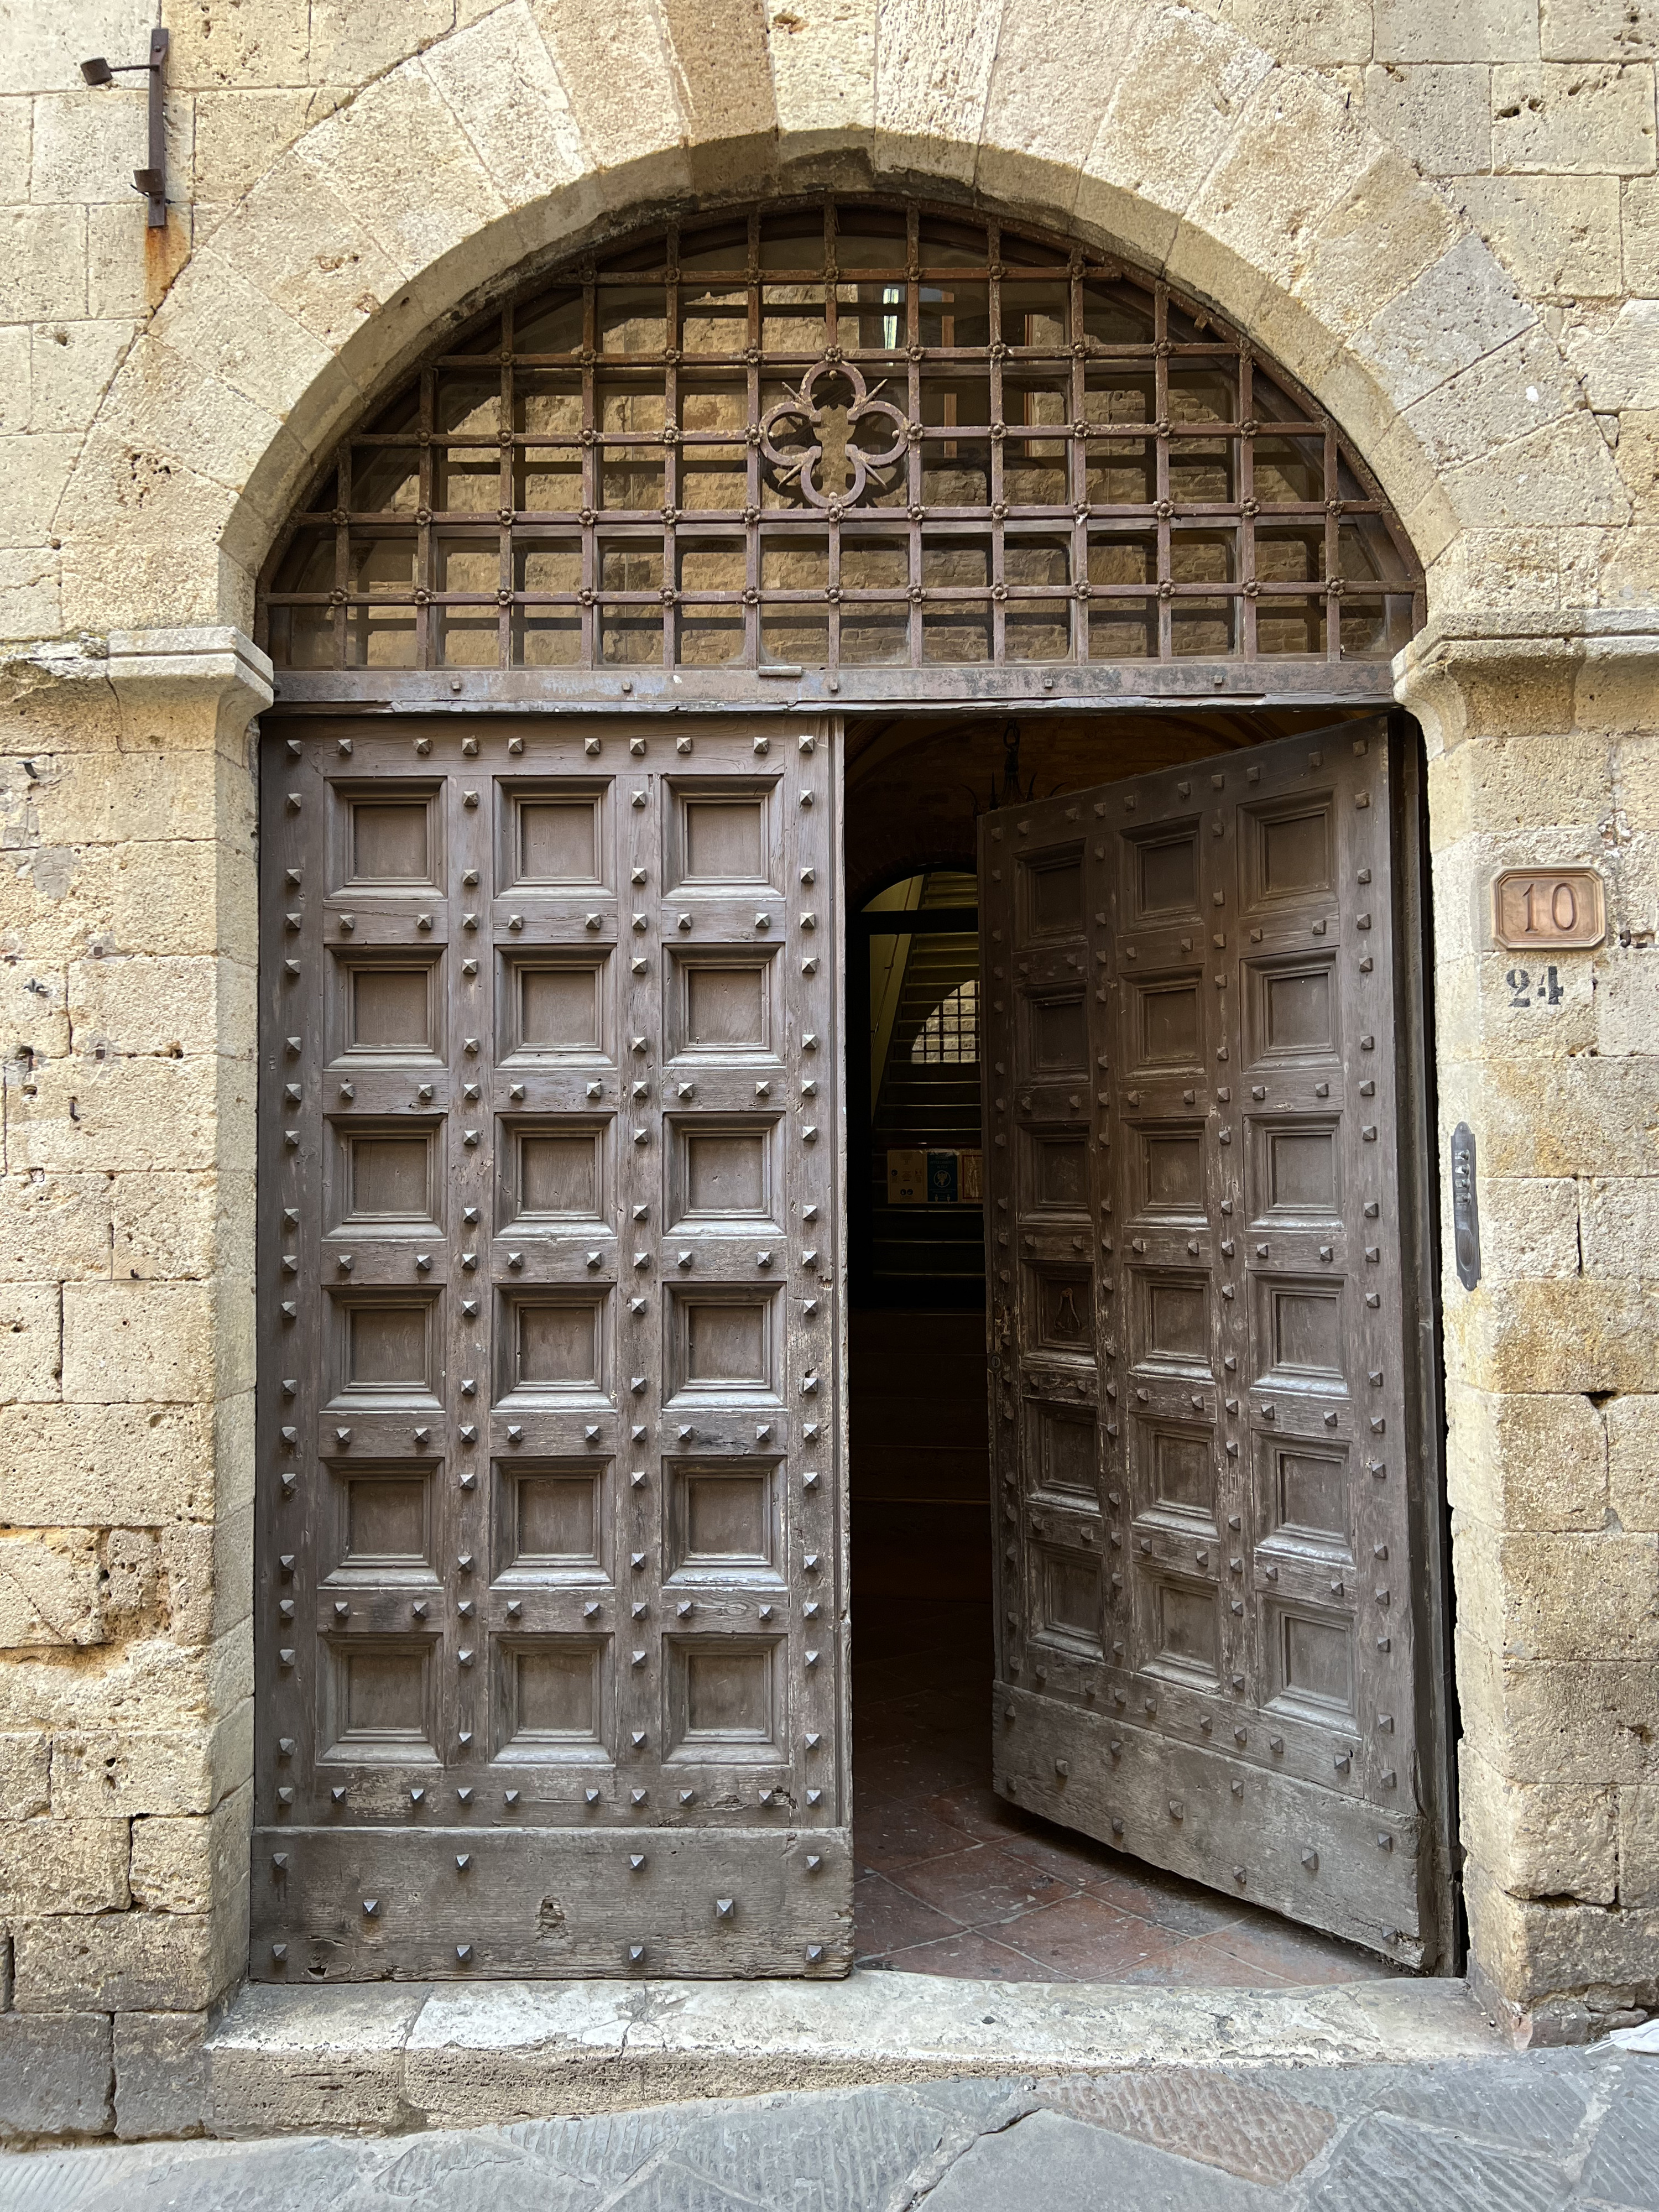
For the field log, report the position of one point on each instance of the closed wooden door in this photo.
(550, 1586)
(1218, 1544)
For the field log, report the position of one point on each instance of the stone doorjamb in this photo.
(1543, 749)
(126, 1447)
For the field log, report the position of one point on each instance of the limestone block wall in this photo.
(1543, 751)
(126, 1356)
(1442, 216)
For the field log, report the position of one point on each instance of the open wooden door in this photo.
(1217, 1554)
(550, 1595)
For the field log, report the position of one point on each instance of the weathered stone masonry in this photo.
(1443, 219)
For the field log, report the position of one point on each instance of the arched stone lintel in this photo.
(432, 192)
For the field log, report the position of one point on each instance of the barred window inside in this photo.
(950, 1035)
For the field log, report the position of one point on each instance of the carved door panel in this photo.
(551, 1586)
(1216, 1561)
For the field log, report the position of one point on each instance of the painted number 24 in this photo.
(1550, 992)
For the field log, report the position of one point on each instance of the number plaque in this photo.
(1561, 909)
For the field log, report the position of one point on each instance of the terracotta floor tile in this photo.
(970, 1956)
(886, 1918)
(1086, 1940)
(1300, 1955)
(980, 1885)
(890, 1727)
(963, 1861)
(894, 1831)
(919, 1768)
(1077, 1859)
(1185, 1908)
(973, 1805)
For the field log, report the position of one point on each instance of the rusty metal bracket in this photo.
(151, 180)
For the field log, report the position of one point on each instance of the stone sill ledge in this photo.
(387, 2057)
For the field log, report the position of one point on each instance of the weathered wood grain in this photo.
(551, 1511)
(1214, 1510)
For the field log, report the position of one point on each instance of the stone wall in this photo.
(126, 1358)
(1444, 219)
(1547, 749)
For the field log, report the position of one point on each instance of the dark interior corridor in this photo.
(950, 1878)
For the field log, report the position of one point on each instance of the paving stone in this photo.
(1384, 2164)
(858, 2148)
(1205, 2139)
(1623, 2166)
(987, 2103)
(1256, 2133)
(308, 2175)
(457, 2173)
(666, 2187)
(1066, 2165)
(616, 2144)
(1532, 2101)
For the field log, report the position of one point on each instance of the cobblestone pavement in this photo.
(1524, 2133)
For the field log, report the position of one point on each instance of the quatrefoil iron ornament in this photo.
(813, 415)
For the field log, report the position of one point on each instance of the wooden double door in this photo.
(551, 1607)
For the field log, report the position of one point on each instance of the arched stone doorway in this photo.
(583, 640)
(808, 453)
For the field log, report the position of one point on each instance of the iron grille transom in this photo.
(844, 434)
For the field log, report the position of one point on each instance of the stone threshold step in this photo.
(386, 2056)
